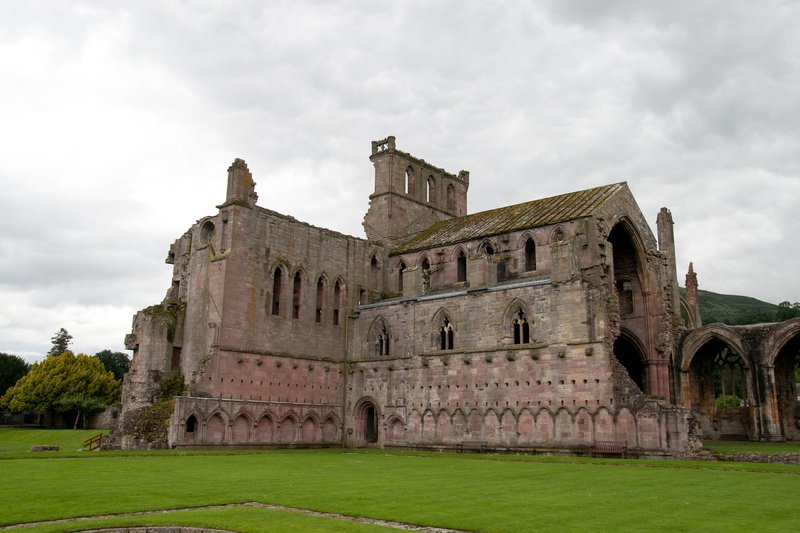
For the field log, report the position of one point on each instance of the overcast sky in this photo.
(117, 126)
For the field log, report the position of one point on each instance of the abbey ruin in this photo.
(542, 326)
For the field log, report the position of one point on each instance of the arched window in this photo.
(461, 267)
(373, 274)
(337, 302)
(446, 335)
(426, 265)
(559, 235)
(320, 298)
(382, 343)
(400, 269)
(522, 333)
(409, 181)
(296, 290)
(191, 424)
(430, 192)
(277, 286)
(530, 255)
(451, 198)
(206, 232)
(487, 247)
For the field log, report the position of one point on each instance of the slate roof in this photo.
(517, 217)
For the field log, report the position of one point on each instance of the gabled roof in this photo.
(517, 217)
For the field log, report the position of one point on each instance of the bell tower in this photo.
(410, 194)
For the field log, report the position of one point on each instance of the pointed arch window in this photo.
(451, 198)
(277, 286)
(530, 255)
(522, 332)
(446, 335)
(400, 269)
(320, 298)
(296, 294)
(337, 302)
(373, 273)
(430, 191)
(382, 342)
(409, 188)
(461, 267)
(426, 265)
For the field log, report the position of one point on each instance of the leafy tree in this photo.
(12, 368)
(61, 341)
(64, 382)
(787, 310)
(116, 362)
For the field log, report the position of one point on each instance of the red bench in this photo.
(608, 447)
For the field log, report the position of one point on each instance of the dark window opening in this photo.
(383, 341)
(298, 282)
(426, 265)
(462, 267)
(446, 335)
(191, 424)
(337, 302)
(370, 424)
(277, 283)
(373, 273)
(530, 255)
(522, 333)
(320, 298)
(629, 355)
(401, 268)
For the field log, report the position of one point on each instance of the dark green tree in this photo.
(61, 341)
(64, 382)
(116, 362)
(787, 310)
(12, 368)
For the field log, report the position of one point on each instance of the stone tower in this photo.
(410, 195)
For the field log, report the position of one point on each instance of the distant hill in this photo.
(733, 309)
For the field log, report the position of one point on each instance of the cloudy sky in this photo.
(117, 125)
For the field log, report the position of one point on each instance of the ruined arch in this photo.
(207, 233)
(309, 428)
(216, 424)
(330, 428)
(430, 190)
(558, 234)
(321, 297)
(409, 181)
(460, 257)
(528, 246)
(366, 420)
(716, 381)
(400, 267)
(630, 353)
(191, 427)
(782, 352)
(265, 428)
(395, 430)
(241, 427)
(487, 247)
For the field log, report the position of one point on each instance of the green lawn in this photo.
(470, 491)
(735, 446)
(21, 440)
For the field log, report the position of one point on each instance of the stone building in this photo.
(546, 325)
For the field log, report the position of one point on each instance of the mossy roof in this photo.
(536, 213)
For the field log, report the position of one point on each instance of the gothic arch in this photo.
(487, 247)
(379, 337)
(423, 260)
(287, 428)
(517, 323)
(367, 419)
(443, 330)
(241, 427)
(527, 243)
(630, 352)
(558, 234)
(698, 338)
(779, 337)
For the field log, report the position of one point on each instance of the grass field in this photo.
(470, 492)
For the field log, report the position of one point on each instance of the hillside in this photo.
(733, 309)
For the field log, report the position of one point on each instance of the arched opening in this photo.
(430, 192)
(337, 302)
(451, 198)
(190, 429)
(379, 337)
(206, 232)
(425, 264)
(409, 186)
(787, 385)
(373, 273)
(400, 269)
(461, 275)
(530, 255)
(522, 334)
(296, 290)
(367, 421)
(446, 335)
(277, 285)
(320, 298)
(720, 390)
(630, 356)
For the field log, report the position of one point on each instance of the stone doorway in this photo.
(367, 422)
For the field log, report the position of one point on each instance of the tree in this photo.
(61, 383)
(116, 362)
(12, 368)
(61, 341)
(787, 310)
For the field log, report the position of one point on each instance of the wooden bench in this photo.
(608, 447)
(477, 445)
